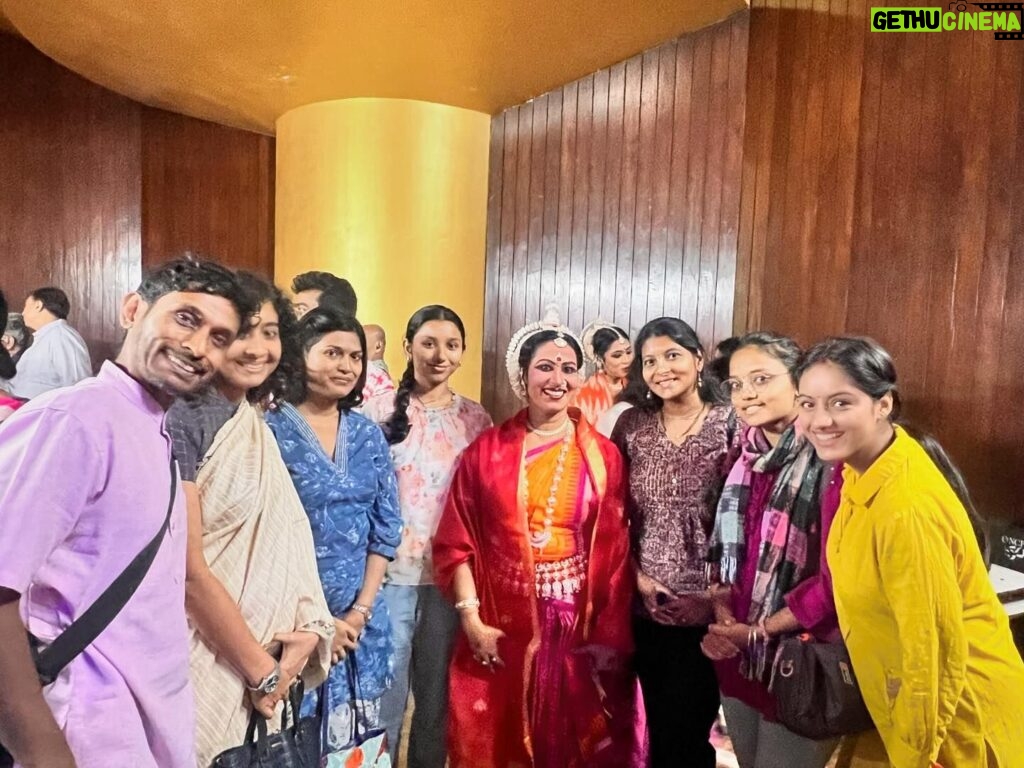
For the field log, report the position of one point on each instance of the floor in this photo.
(726, 758)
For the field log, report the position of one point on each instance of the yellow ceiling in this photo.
(246, 62)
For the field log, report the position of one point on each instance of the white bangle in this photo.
(469, 604)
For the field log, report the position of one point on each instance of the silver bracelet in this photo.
(363, 609)
(469, 604)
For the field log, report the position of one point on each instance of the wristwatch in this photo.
(268, 683)
(363, 609)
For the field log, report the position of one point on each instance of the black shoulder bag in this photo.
(816, 692)
(50, 660)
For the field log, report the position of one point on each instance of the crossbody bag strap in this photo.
(87, 627)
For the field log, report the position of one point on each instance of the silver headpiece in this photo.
(550, 322)
(592, 361)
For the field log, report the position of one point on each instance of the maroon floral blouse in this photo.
(673, 492)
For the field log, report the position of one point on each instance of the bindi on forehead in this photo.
(556, 359)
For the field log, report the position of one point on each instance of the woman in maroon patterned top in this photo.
(678, 443)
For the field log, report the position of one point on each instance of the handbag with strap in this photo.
(815, 689)
(294, 746)
(367, 747)
(51, 659)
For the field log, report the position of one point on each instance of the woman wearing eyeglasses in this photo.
(766, 553)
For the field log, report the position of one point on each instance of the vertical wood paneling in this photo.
(69, 191)
(206, 188)
(94, 186)
(623, 188)
(882, 196)
(492, 358)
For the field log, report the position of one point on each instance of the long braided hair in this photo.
(396, 428)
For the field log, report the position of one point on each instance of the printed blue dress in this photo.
(352, 505)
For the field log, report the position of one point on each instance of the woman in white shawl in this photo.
(256, 609)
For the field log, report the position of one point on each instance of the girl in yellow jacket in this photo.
(929, 640)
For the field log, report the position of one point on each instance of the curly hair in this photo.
(313, 326)
(194, 275)
(261, 292)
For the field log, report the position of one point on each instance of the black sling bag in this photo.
(51, 659)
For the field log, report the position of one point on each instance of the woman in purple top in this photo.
(676, 441)
(766, 553)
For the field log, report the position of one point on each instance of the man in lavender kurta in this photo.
(83, 487)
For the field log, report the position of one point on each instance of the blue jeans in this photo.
(423, 624)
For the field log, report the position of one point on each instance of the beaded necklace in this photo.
(541, 538)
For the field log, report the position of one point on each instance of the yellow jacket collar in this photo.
(862, 489)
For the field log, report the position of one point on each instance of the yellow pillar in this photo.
(390, 194)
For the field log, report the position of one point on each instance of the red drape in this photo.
(484, 525)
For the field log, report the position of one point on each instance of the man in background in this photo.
(376, 342)
(379, 391)
(313, 289)
(58, 356)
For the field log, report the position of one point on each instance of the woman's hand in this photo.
(266, 703)
(736, 633)
(718, 648)
(649, 590)
(721, 603)
(296, 648)
(483, 640)
(346, 637)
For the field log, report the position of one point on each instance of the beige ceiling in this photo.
(246, 62)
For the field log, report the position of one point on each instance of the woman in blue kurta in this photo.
(341, 467)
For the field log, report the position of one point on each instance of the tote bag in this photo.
(367, 748)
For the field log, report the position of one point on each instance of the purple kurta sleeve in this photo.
(49, 467)
(811, 600)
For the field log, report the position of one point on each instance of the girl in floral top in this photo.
(428, 429)
(678, 443)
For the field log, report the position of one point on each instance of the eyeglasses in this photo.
(758, 382)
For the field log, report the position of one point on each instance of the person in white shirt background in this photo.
(58, 356)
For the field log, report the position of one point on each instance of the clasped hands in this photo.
(296, 648)
(726, 637)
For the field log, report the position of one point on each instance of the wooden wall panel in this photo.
(69, 191)
(206, 188)
(882, 195)
(94, 186)
(617, 197)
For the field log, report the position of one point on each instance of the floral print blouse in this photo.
(424, 464)
(352, 504)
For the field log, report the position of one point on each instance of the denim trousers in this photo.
(424, 624)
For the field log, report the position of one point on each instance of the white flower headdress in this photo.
(550, 322)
